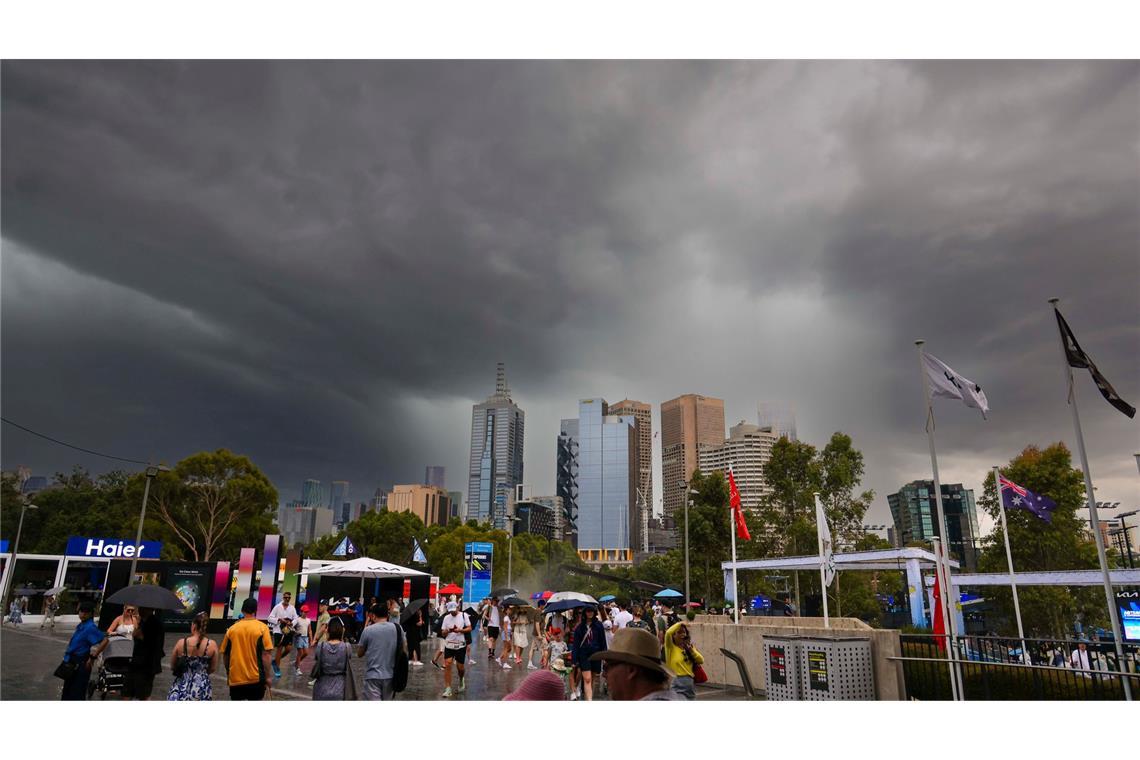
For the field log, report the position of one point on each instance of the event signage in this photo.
(777, 665)
(113, 548)
(477, 564)
(191, 583)
(817, 670)
(1128, 604)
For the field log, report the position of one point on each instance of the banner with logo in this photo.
(112, 548)
(478, 558)
(192, 584)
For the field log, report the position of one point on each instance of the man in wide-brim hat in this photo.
(634, 670)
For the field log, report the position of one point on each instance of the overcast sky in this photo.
(319, 264)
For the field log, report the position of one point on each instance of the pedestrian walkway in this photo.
(28, 657)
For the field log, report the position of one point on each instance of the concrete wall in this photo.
(712, 632)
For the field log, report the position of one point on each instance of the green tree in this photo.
(210, 505)
(1037, 545)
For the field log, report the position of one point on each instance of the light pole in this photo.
(151, 473)
(16, 549)
(688, 503)
(1124, 530)
(510, 547)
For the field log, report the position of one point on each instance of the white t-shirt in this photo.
(493, 617)
(452, 629)
(622, 618)
(280, 612)
(301, 626)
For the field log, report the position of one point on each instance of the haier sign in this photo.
(113, 548)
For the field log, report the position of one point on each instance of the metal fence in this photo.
(997, 668)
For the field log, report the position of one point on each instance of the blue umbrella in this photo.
(667, 594)
(607, 598)
(566, 604)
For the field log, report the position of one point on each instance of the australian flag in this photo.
(1014, 496)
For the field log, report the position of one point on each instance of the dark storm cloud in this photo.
(319, 263)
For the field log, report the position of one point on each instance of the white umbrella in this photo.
(363, 567)
(572, 596)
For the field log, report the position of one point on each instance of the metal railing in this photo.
(997, 668)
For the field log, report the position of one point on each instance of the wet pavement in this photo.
(28, 656)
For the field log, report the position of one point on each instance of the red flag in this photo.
(939, 623)
(737, 510)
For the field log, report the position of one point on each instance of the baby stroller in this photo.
(113, 668)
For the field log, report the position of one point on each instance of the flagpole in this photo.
(822, 573)
(1009, 562)
(732, 532)
(1095, 521)
(947, 587)
(940, 577)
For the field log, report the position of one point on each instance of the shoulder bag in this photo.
(66, 669)
(400, 669)
(349, 681)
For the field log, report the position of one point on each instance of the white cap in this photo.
(451, 606)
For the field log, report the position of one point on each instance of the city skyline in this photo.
(167, 280)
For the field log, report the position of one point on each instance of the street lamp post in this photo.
(510, 547)
(151, 473)
(16, 549)
(688, 503)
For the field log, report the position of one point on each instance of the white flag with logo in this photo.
(826, 557)
(947, 383)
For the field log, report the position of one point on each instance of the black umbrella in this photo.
(504, 592)
(147, 595)
(514, 601)
(410, 610)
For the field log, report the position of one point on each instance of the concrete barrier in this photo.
(712, 632)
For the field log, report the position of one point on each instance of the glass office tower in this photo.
(607, 482)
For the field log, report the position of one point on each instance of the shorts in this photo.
(302, 642)
(467, 638)
(138, 684)
(492, 632)
(247, 692)
(459, 655)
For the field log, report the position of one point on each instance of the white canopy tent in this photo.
(362, 568)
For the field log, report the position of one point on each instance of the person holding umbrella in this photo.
(146, 661)
(415, 629)
(589, 639)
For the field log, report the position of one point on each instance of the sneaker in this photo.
(531, 666)
(311, 683)
(417, 663)
(447, 694)
(437, 665)
(462, 685)
(276, 671)
(574, 697)
(506, 665)
(299, 672)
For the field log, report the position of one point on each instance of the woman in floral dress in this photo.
(201, 660)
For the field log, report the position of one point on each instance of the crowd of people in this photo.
(581, 650)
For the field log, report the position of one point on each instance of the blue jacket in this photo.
(582, 650)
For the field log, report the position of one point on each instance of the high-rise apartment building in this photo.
(566, 479)
(687, 422)
(643, 413)
(301, 524)
(778, 417)
(912, 510)
(608, 470)
(747, 450)
(457, 510)
(496, 463)
(434, 475)
(432, 505)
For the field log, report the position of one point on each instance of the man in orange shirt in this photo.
(246, 649)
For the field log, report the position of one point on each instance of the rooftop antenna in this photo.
(501, 388)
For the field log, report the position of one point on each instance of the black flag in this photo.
(1079, 359)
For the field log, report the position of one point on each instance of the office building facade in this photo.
(429, 503)
(541, 516)
(643, 413)
(687, 422)
(301, 524)
(566, 479)
(913, 513)
(496, 462)
(311, 494)
(608, 470)
(747, 449)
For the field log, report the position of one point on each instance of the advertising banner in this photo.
(1128, 605)
(116, 548)
(192, 585)
(477, 563)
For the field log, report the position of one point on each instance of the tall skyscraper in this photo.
(608, 525)
(457, 510)
(643, 413)
(747, 449)
(566, 479)
(687, 422)
(338, 496)
(434, 475)
(311, 495)
(779, 417)
(432, 505)
(496, 464)
(912, 510)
